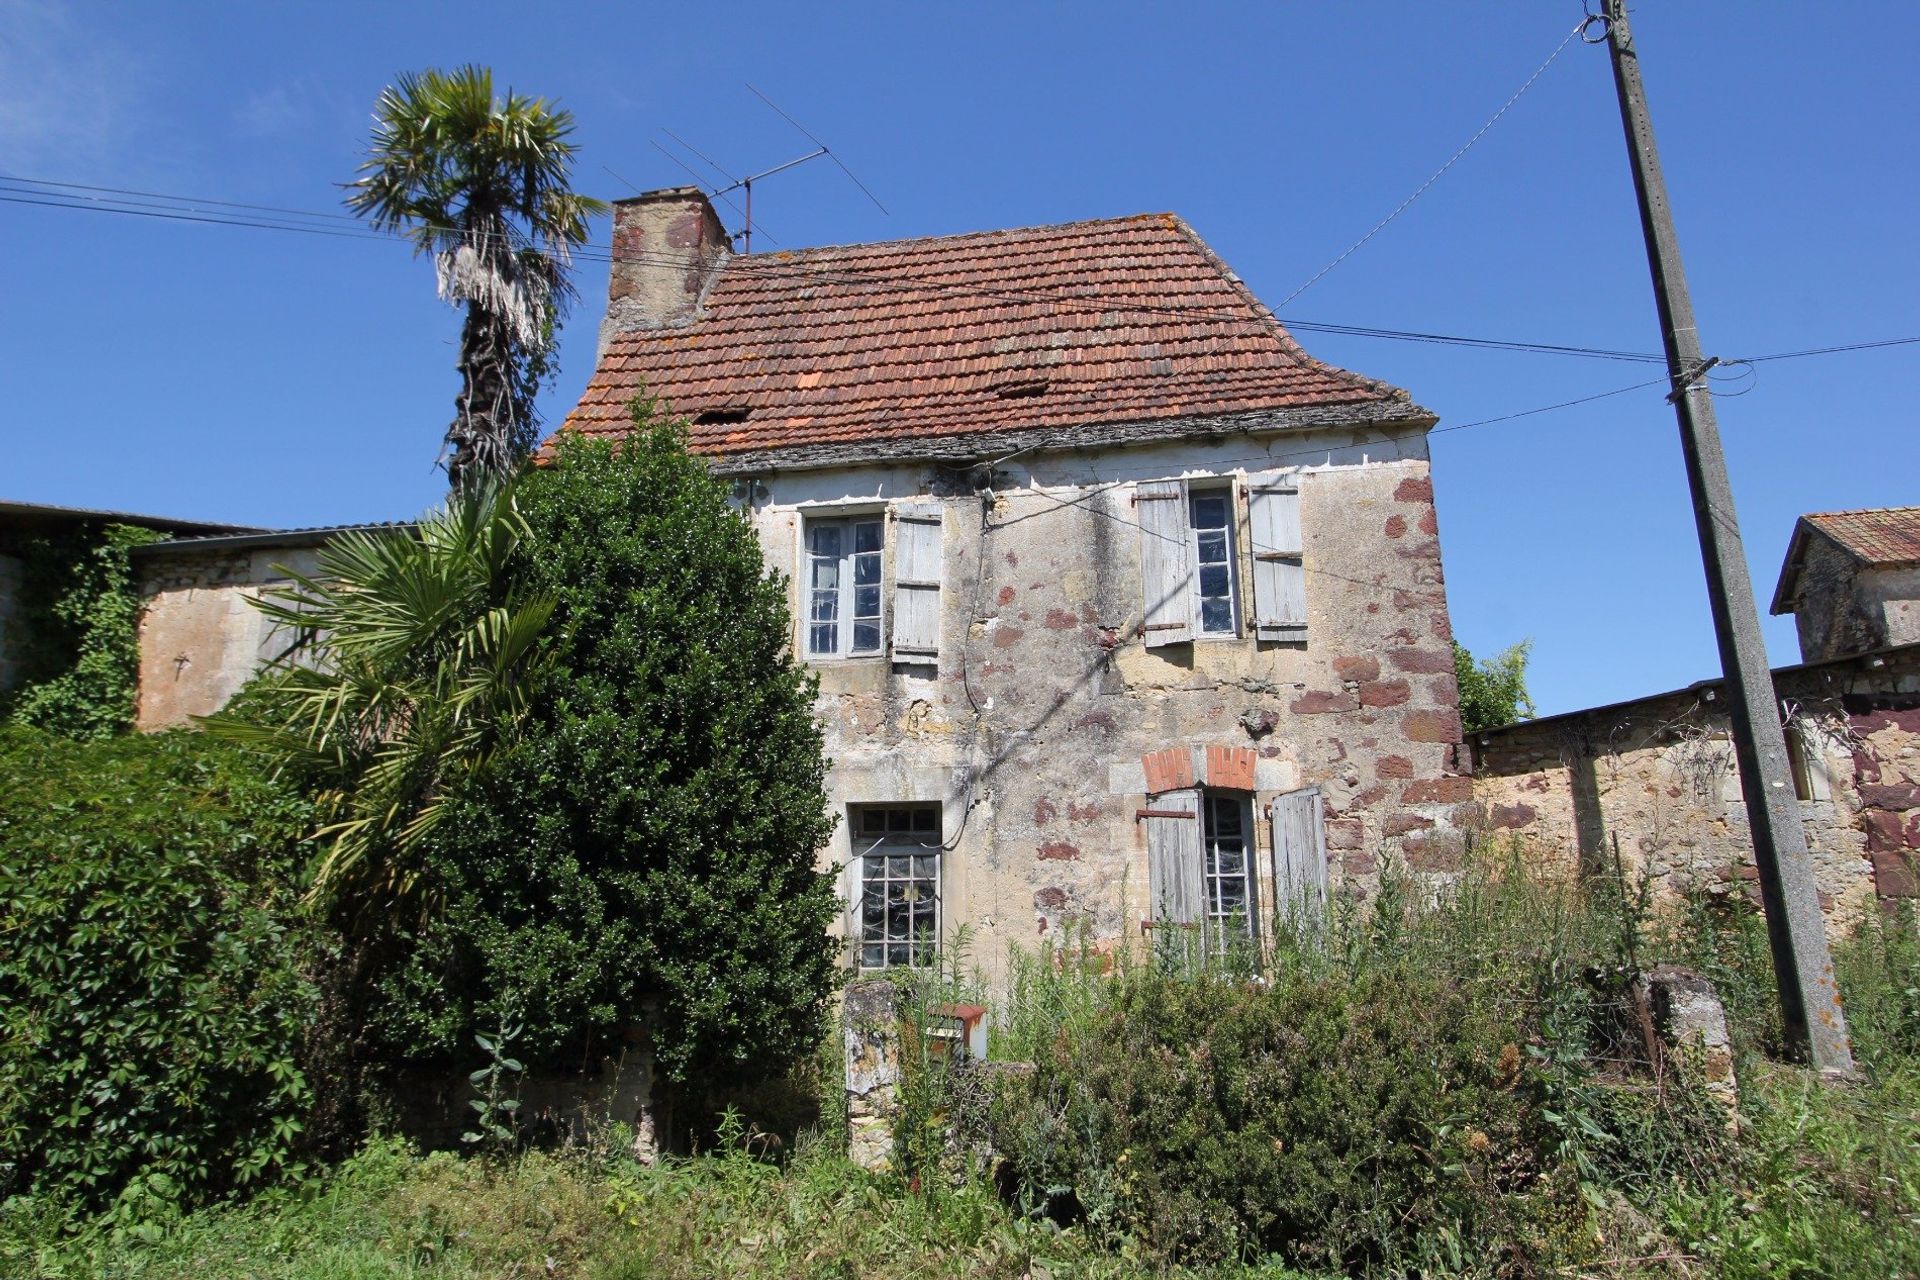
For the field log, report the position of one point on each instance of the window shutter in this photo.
(1300, 855)
(1279, 568)
(1166, 562)
(1174, 889)
(917, 561)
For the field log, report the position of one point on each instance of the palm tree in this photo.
(482, 185)
(416, 656)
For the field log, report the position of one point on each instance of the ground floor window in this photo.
(1228, 879)
(897, 848)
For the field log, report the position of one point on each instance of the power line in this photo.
(1421, 190)
(184, 209)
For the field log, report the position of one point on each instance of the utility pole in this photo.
(1796, 930)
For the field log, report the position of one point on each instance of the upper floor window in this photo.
(843, 586)
(1210, 516)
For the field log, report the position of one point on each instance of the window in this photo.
(1210, 513)
(843, 586)
(1200, 876)
(898, 851)
(1227, 872)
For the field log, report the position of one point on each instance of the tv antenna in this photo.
(744, 185)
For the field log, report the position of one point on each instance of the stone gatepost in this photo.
(870, 1015)
(1688, 1015)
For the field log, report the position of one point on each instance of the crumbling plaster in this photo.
(201, 638)
(1031, 728)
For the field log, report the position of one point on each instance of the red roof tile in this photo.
(1122, 321)
(1886, 537)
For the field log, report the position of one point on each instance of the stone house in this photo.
(1127, 613)
(201, 638)
(1655, 778)
(1852, 581)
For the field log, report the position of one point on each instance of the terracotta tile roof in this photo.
(1878, 537)
(1886, 537)
(1120, 321)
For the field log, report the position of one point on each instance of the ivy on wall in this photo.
(80, 612)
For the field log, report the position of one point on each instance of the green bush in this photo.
(645, 850)
(152, 997)
(1427, 1085)
(82, 656)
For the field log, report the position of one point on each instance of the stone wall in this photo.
(1657, 779)
(1034, 728)
(201, 638)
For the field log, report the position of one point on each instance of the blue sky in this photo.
(279, 379)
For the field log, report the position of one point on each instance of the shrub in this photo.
(151, 986)
(645, 850)
(1419, 1084)
(82, 655)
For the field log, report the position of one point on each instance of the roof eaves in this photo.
(308, 537)
(972, 446)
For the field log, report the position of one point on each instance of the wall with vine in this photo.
(79, 618)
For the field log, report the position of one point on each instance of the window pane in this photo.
(866, 637)
(925, 820)
(1209, 511)
(873, 956)
(1213, 581)
(824, 539)
(823, 638)
(1213, 546)
(866, 571)
(866, 602)
(1216, 615)
(866, 536)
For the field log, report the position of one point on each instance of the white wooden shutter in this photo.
(1300, 856)
(1279, 568)
(917, 560)
(1174, 887)
(1166, 562)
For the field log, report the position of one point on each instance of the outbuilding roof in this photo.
(1127, 320)
(1876, 537)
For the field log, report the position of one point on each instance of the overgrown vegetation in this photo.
(645, 852)
(81, 613)
(153, 995)
(1493, 692)
(1361, 1114)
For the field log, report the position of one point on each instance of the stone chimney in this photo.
(667, 249)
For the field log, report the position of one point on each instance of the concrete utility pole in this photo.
(1796, 930)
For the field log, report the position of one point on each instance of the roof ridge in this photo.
(954, 236)
(1858, 511)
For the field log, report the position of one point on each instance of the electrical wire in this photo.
(134, 202)
(1421, 190)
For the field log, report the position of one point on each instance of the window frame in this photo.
(1218, 939)
(844, 621)
(914, 840)
(1226, 493)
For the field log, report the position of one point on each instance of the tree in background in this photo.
(1493, 692)
(645, 853)
(482, 184)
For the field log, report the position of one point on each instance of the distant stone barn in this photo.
(1128, 614)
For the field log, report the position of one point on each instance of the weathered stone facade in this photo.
(201, 638)
(1046, 725)
(1852, 581)
(1657, 779)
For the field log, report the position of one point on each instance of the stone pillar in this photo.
(1688, 1015)
(871, 1019)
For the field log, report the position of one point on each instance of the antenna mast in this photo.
(746, 185)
